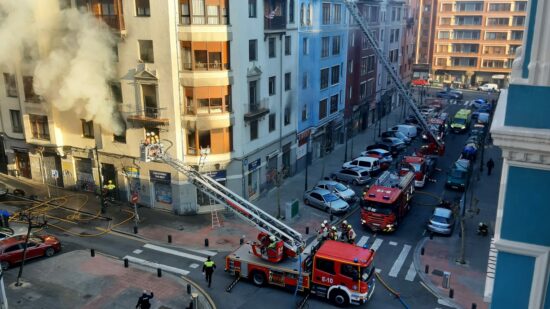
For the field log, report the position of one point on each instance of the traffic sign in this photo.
(55, 174)
(134, 198)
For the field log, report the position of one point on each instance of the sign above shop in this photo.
(254, 164)
(160, 176)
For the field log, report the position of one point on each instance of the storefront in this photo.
(162, 189)
(52, 170)
(108, 173)
(84, 174)
(254, 179)
(271, 171)
(22, 162)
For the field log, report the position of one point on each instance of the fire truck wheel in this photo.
(258, 278)
(339, 298)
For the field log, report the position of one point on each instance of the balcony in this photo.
(115, 22)
(274, 15)
(256, 110)
(205, 66)
(150, 116)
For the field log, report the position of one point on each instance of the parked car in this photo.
(6, 232)
(411, 120)
(383, 155)
(342, 191)
(447, 95)
(478, 103)
(442, 221)
(459, 95)
(459, 175)
(11, 248)
(393, 141)
(399, 135)
(488, 87)
(392, 149)
(369, 163)
(355, 175)
(407, 130)
(325, 200)
(428, 112)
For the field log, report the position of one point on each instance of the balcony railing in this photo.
(114, 21)
(275, 23)
(256, 110)
(211, 109)
(204, 20)
(205, 66)
(148, 116)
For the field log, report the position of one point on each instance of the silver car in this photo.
(355, 175)
(325, 200)
(342, 191)
(442, 221)
(394, 141)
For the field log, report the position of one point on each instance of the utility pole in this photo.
(308, 146)
(101, 197)
(346, 123)
(4, 299)
(27, 217)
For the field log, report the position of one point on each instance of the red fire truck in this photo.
(421, 166)
(338, 271)
(386, 202)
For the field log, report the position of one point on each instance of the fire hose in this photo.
(392, 291)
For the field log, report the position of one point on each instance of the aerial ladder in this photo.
(292, 240)
(407, 97)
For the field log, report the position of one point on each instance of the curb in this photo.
(432, 288)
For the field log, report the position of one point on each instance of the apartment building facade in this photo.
(425, 17)
(322, 77)
(476, 41)
(408, 43)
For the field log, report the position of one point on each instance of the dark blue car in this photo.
(448, 95)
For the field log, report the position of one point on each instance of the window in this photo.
(324, 78)
(287, 81)
(272, 118)
(116, 92)
(252, 50)
(120, 138)
(87, 128)
(521, 6)
(371, 61)
(325, 43)
(303, 14)
(309, 14)
(512, 50)
(326, 13)
(287, 45)
(334, 104)
(335, 76)
(468, 20)
(337, 14)
(445, 21)
(518, 21)
(146, 51)
(271, 47)
(493, 64)
(350, 66)
(287, 116)
(496, 35)
(498, 21)
(446, 7)
(443, 35)
(467, 7)
(271, 85)
(322, 109)
(363, 90)
(252, 11)
(500, 7)
(253, 93)
(304, 80)
(517, 35)
(441, 61)
(149, 99)
(9, 83)
(142, 8)
(336, 45)
(304, 112)
(464, 62)
(466, 34)
(363, 65)
(325, 265)
(463, 48)
(39, 127)
(350, 271)
(291, 11)
(305, 46)
(28, 88)
(253, 129)
(370, 87)
(16, 125)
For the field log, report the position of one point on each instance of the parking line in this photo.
(399, 262)
(362, 241)
(411, 273)
(171, 269)
(175, 252)
(377, 243)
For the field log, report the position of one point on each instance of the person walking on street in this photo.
(143, 301)
(490, 166)
(208, 269)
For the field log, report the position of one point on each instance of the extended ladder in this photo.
(354, 11)
(240, 206)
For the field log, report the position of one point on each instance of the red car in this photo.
(11, 248)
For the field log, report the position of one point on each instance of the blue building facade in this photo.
(521, 127)
(322, 56)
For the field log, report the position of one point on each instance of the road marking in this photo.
(399, 262)
(444, 303)
(205, 252)
(157, 265)
(377, 243)
(411, 273)
(362, 241)
(393, 243)
(194, 265)
(137, 251)
(175, 252)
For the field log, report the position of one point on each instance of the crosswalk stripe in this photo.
(393, 243)
(377, 243)
(205, 252)
(175, 252)
(400, 260)
(171, 269)
(411, 273)
(362, 241)
(137, 251)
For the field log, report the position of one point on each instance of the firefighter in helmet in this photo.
(333, 234)
(351, 234)
(344, 229)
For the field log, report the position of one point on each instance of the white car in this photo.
(488, 87)
(383, 155)
(369, 163)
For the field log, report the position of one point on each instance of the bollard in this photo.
(188, 288)
(307, 230)
(126, 263)
(474, 306)
(169, 239)
(135, 229)
(159, 272)
(427, 269)
(446, 279)
(206, 242)
(451, 293)
(241, 241)
(422, 251)
(92, 252)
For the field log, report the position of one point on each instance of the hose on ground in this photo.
(392, 291)
(438, 199)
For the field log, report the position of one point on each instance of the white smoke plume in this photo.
(74, 60)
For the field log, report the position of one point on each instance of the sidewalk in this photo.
(441, 253)
(77, 280)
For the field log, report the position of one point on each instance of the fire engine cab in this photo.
(421, 166)
(386, 202)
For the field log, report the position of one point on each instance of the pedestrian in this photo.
(490, 166)
(143, 301)
(208, 269)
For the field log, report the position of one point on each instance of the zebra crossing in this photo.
(402, 264)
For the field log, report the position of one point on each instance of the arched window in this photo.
(302, 14)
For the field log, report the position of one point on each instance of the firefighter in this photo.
(323, 232)
(351, 234)
(343, 229)
(147, 138)
(272, 243)
(333, 234)
(154, 138)
(208, 270)
(109, 189)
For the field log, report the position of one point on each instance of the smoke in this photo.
(70, 53)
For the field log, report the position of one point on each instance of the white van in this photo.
(407, 130)
(370, 163)
(488, 87)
